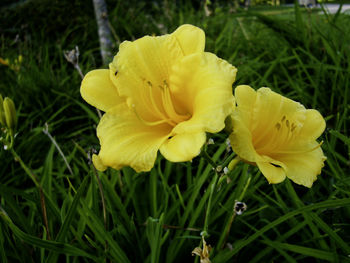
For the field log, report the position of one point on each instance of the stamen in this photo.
(293, 127)
(145, 100)
(151, 123)
(300, 152)
(287, 123)
(169, 107)
(162, 108)
(153, 102)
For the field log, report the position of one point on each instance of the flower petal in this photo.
(245, 97)
(303, 168)
(241, 140)
(96, 160)
(314, 125)
(126, 141)
(270, 108)
(98, 90)
(202, 84)
(144, 67)
(183, 147)
(191, 39)
(274, 171)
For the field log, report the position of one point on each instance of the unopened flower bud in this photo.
(10, 113)
(2, 113)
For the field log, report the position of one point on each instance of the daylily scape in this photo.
(160, 93)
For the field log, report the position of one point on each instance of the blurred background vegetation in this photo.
(157, 217)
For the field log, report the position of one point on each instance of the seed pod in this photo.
(2, 113)
(10, 113)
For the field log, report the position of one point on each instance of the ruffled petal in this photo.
(190, 38)
(241, 140)
(126, 141)
(144, 67)
(304, 167)
(96, 160)
(98, 90)
(273, 170)
(271, 109)
(245, 97)
(314, 125)
(183, 147)
(202, 85)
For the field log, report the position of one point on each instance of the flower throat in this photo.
(158, 100)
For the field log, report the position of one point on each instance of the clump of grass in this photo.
(158, 216)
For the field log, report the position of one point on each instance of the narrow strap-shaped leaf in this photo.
(306, 251)
(50, 245)
(226, 256)
(68, 219)
(94, 222)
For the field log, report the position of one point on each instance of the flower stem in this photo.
(206, 156)
(222, 242)
(207, 214)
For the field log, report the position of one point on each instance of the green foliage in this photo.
(158, 216)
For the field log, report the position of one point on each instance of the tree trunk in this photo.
(104, 32)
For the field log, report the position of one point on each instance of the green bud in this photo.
(2, 113)
(10, 113)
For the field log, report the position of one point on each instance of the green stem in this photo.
(207, 214)
(206, 156)
(222, 242)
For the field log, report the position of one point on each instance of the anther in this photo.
(287, 123)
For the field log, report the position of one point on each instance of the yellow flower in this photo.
(160, 93)
(278, 135)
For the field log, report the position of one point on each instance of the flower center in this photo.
(283, 132)
(158, 100)
(281, 138)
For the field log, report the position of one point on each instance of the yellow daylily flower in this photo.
(278, 135)
(160, 93)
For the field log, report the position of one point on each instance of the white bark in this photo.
(104, 32)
